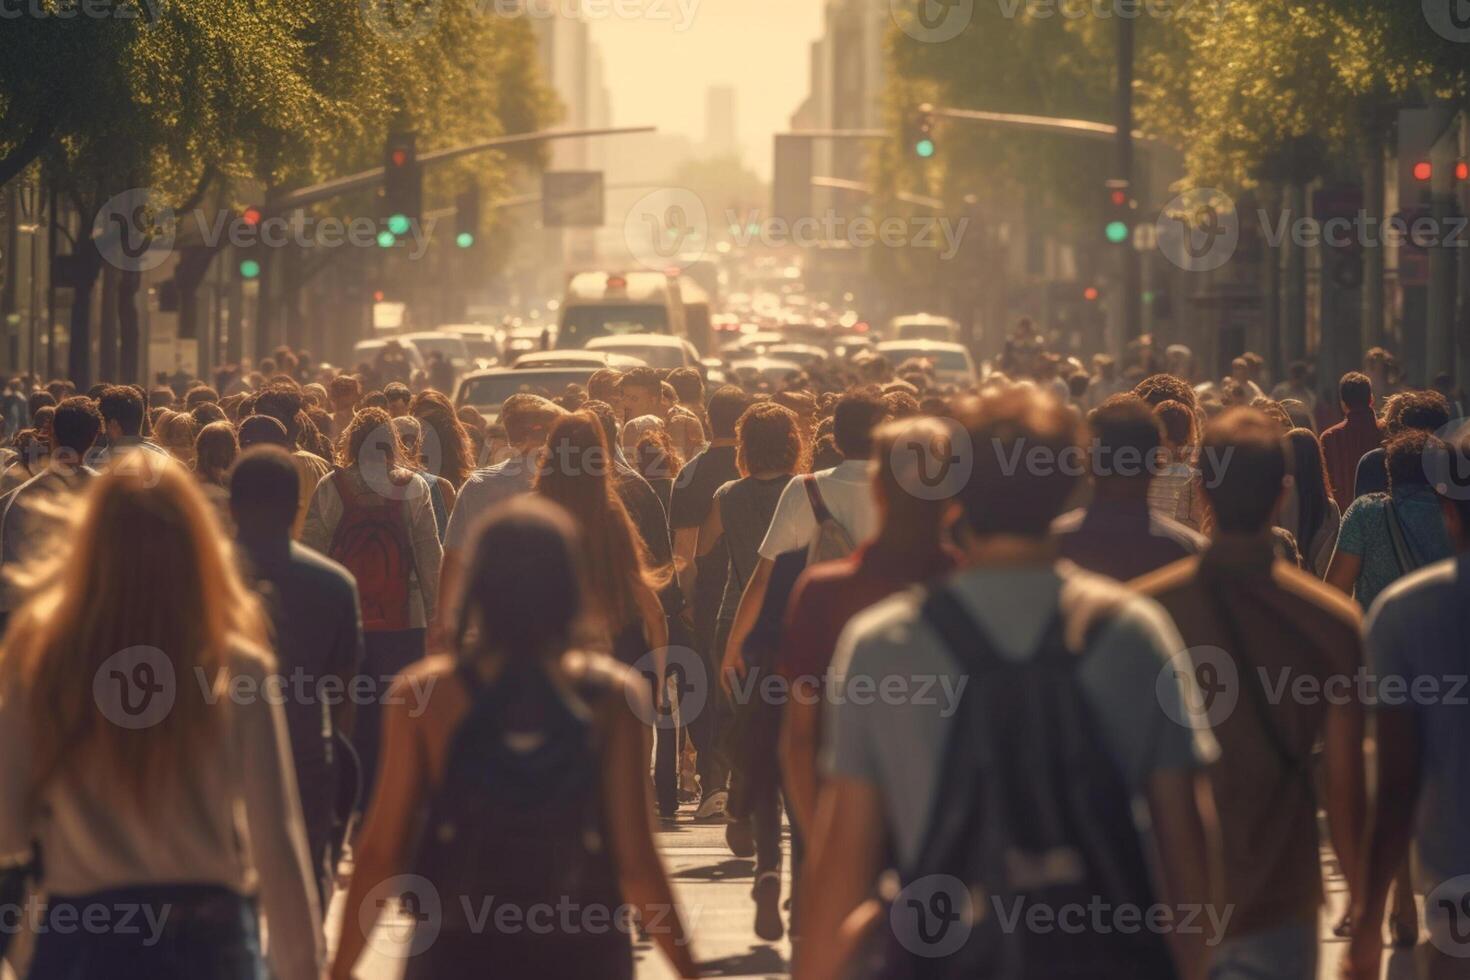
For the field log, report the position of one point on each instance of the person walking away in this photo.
(1055, 696)
(1308, 510)
(527, 419)
(702, 572)
(1175, 491)
(128, 764)
(1416, 636)
(1345, 443)
(1271, 620)
(375, 518)
(283, 402)
(915, 516)
(530, 758)
(313, 608)
(1118, 534)
(1425, 411)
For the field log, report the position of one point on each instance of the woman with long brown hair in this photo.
(447, 447)
(576, 472)
(135, 755)
(529, 761)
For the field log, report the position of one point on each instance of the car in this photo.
(602, 304)
(366, 351)
(771, 370)
(804, 354)
(755, 343)
(655, 350)
(924, 326)
(482, 342)
(487, 390)
(576, 358)
(450, 346)
(953, 364)
(524, 339)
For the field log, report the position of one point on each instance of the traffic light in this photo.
(467, 218)
(402, 184)
(1091, 294)
(1118, 214)
(923, 139)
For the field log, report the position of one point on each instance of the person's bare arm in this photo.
(710, 531)
(655, 634)
(1346, 801)
(1186, 838)
(1390, 823)
(381, 852)
(645, 884)
(441, 633)
(746, 613)
(1342, 571)
(686, 540)
(799, 737)
(843, 864)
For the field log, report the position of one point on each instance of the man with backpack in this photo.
(1053, 691)
(1272, 628)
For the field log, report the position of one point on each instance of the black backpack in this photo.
(1031, 811)
(519, 816)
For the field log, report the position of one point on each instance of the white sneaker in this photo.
(712, 806)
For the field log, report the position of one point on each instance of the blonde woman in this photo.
(125, 757)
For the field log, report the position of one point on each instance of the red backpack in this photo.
(372, 542)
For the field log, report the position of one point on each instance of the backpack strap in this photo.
(814, 495)
(968, 641)
(1401, 552)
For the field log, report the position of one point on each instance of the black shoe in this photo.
(738, 836)
(767, 895)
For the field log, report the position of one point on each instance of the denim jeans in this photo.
(154, 932)
(385, 655)
(1285, 953)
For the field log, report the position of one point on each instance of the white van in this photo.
(923, 326)
(610, 304)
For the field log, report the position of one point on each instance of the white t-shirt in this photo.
(848, 492)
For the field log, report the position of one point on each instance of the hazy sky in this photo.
(658, 68)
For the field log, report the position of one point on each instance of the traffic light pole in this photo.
(1131, 259)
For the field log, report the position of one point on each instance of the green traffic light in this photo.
(398, 224)
(924, 148)
(249, 269)
(464, 239)
(386, 239)
(1116, 232)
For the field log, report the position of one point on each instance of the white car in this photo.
(577, 358)
(366, 351)
(768, 369)
(450, 346)
(953, 364)
(656, 350)
(924, 326)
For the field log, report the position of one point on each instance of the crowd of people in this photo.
(1096, 640)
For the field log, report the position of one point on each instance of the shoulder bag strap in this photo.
(814, 495)
(1401, 551)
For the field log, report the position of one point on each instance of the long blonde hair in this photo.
(141, 563)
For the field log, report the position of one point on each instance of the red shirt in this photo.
(1346, 443)
(828, 595)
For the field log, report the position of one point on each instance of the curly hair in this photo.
(768, 440)
(456, 456)
(1159, 388)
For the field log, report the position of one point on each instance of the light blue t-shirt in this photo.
(897, 743)
(1419, 647)
(1365, 534)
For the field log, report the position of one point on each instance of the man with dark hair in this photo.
(603, 385)
(703, 578)
(399, 396)
(262, 430)
(283, 401)
(1270, 619)
(1345, 443)
(312, 602)
(198, 396)
(122, 423)
(1416, 641)
(74, 430)
(345, 391)
(641, 392)
(1117, 534)
(1408, 411)
(1009, 612)
(527, 419)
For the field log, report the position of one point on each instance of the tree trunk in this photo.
(107, 324)
(131, 364)
(1373, 190)
(79, 335)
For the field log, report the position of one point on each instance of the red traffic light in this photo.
(1090, 294)
(399, 157)
(377, 296)
(251, 216)
(1462, 170)
(1119, 197)
(1423, 170)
